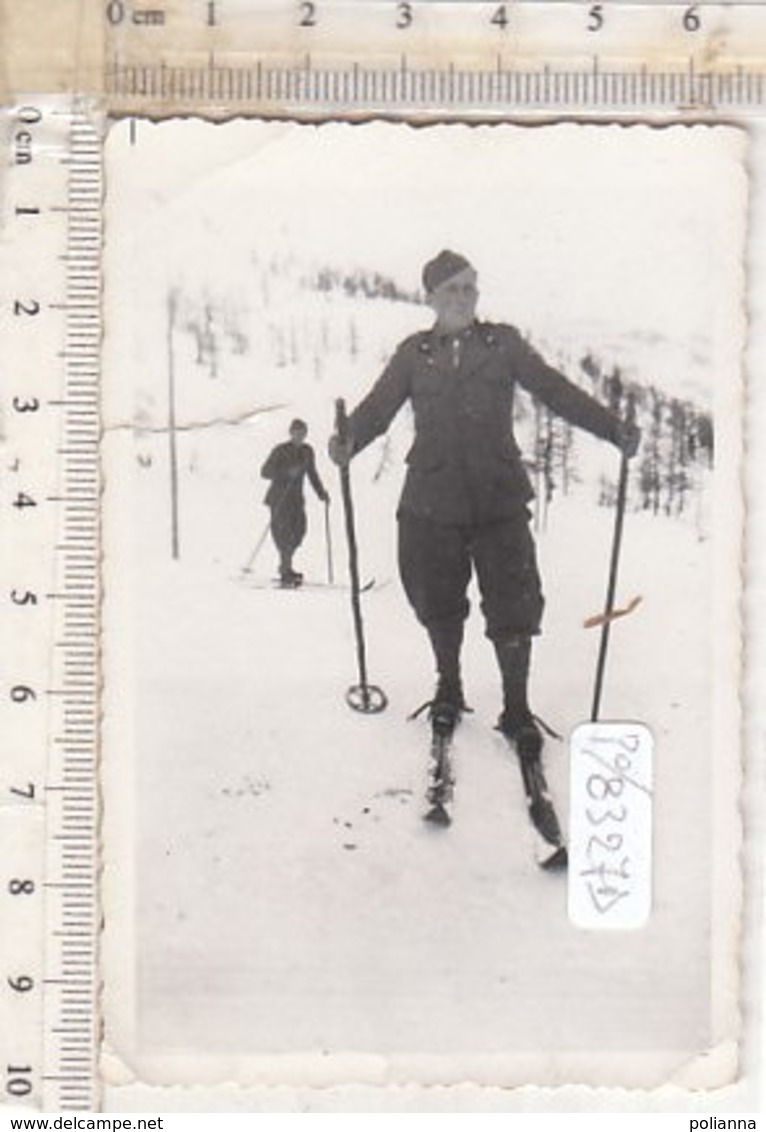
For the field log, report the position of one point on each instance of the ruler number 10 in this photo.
(17, 1082)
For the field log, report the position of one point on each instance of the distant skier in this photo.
(286, 466)
(464, 505)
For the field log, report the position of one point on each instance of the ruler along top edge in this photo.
(227, 57)
(226, 89)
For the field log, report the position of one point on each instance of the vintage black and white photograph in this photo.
(422, 451)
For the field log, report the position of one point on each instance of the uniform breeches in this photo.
(288, 526)
(436, 562)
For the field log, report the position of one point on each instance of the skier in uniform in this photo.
(464, 505)
(286, 466)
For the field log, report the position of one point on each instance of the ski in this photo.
(441, 781)
(277, 584)
(552, 854)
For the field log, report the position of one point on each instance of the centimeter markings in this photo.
(312, 89)
(50, 327)
(71, 1019)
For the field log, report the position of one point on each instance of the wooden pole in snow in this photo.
(172, 437)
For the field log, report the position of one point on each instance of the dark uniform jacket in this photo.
(465, 465)
(286, 466)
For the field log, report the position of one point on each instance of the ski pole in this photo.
(364, 697)
(256, 549)
(622, 490)
(328, 542)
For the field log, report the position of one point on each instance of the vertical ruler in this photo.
(49, 603)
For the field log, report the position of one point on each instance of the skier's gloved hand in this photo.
(628, 438)
(340, 450)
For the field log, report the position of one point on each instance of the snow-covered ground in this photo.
(291, 897)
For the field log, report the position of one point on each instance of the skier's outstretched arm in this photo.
(374, 413)
(569, 401)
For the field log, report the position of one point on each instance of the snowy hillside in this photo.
(269, 299)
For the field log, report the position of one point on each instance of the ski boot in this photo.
(290, 579)
(446, 708)
(523, 731)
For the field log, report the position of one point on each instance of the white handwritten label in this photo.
(610, 834)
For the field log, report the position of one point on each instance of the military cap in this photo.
(442, 267)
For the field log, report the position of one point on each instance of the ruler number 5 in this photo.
(596, 17)
(27, 598)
